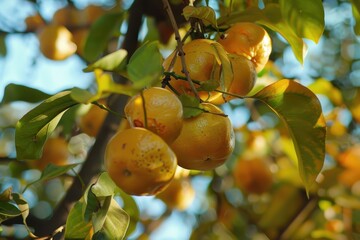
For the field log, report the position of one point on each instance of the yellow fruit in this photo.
(163, 110)
(205, 141)
(139, 161)
(34, 22)
(252, 176)
(244, 78)
(91, 122)
(250, 40)
(56, 42)
(55, 151)
(200, 58)
(179, 194)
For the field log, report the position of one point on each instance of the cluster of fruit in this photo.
(66, 33)
(143, 159)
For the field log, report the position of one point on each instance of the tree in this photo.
(239, 117)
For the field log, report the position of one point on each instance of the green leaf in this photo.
(3, 48)
(114, 62)
(305, 17)
(270, 17)
(82, 96)
(100, 33)
(91, 206)
(191, 106)
(99, 217)
(8, 210)
(76, 227)
(356, 13)
(301, 111)
(14, 92)
(207, 14)
(52, 171)
(104, 186)
(35, 126)
(117, 221)
(145, 65)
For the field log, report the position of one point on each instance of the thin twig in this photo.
(180, 46)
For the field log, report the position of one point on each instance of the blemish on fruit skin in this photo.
(126, 173)
(123, 146)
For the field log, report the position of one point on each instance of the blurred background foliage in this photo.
(257, 194)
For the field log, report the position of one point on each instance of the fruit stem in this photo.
(180, 46)
(144, 108)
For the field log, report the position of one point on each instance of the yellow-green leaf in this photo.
(301, 111)
(207, 14)
(306, 17)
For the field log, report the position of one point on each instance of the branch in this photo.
(181, 52)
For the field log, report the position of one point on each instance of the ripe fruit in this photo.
(56, 42)
(91, 122)
(244, 78)
(252, 176)
(55, 151)
(200, 58)
(206, 141)
(250, 40)
(163, 110)
(139, 161)
(179, 194)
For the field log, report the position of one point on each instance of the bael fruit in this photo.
(205, 141)
(56, 42)
(250, 40)
(179, 194)
(201, 62)
(55, 151)
(139, 161)
(252, 175)
(163, 110)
